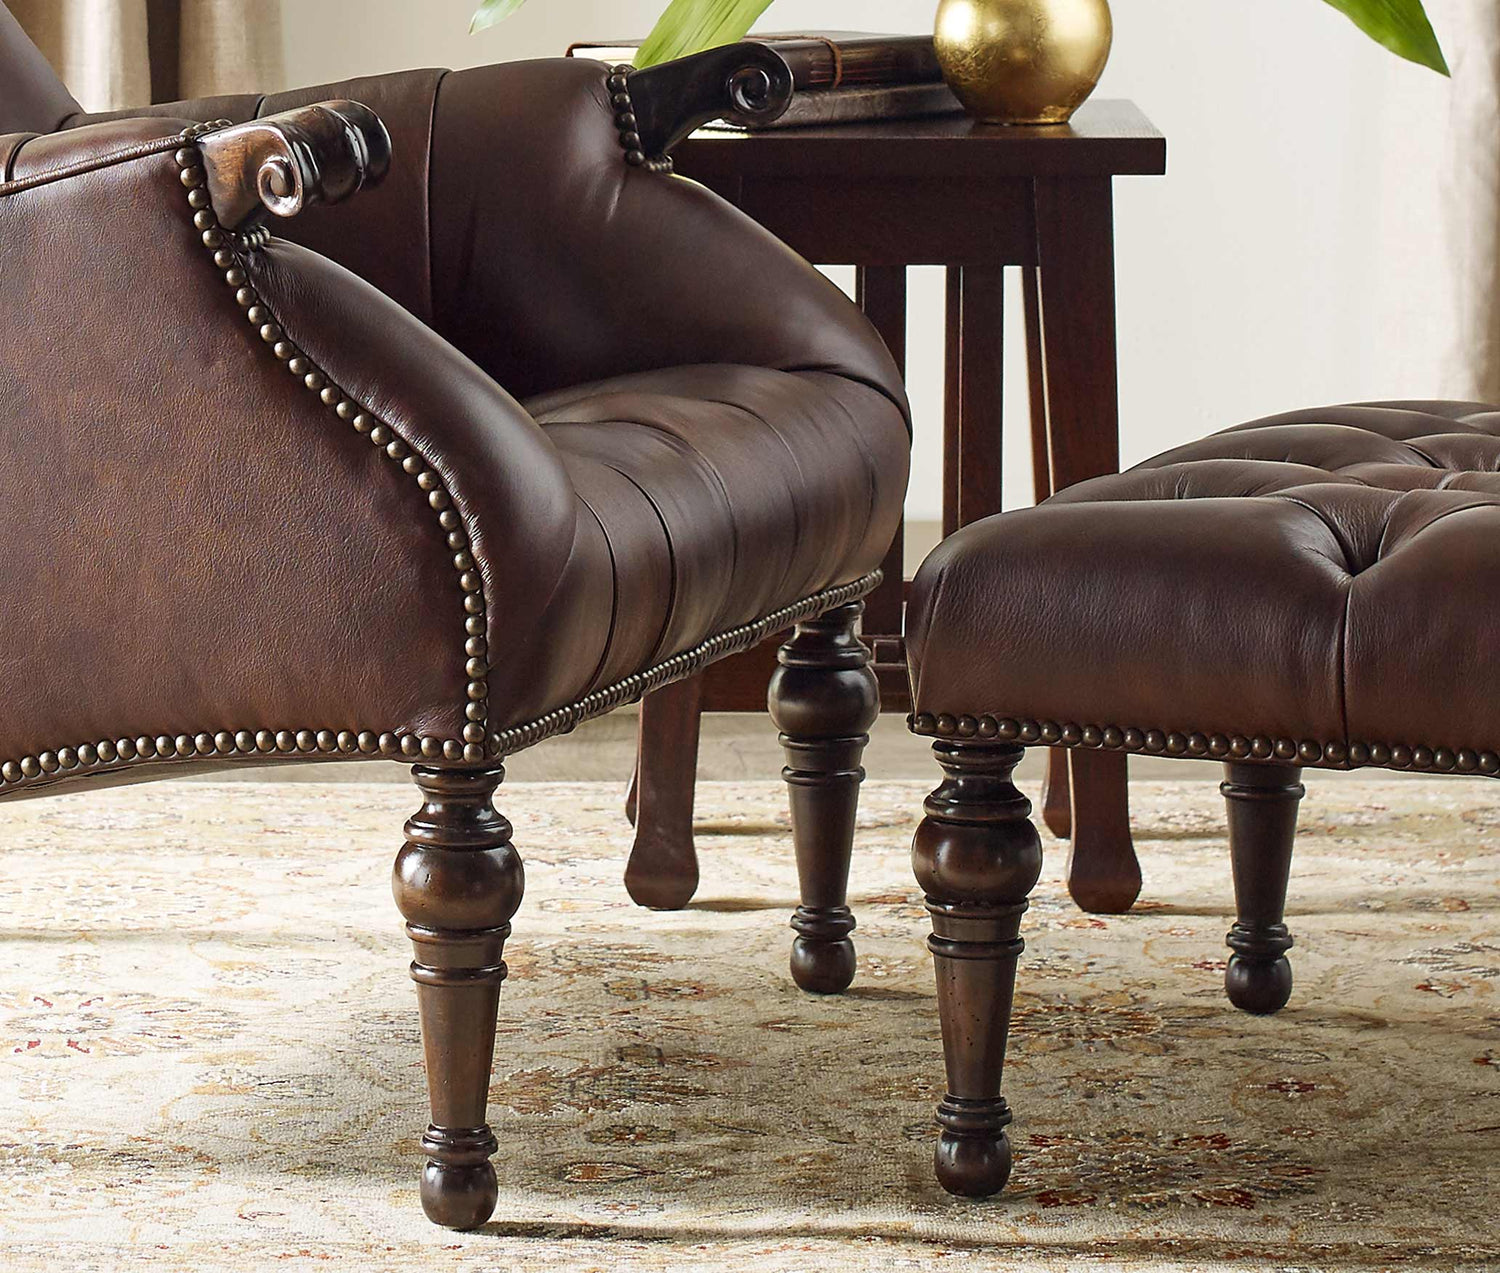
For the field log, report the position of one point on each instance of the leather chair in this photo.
(529, 430)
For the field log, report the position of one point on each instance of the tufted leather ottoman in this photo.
(1311, 589)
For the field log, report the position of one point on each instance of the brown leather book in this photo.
(823, 60)
(838, 76)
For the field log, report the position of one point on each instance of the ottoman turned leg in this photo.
(823, 698)
(977, 857)
(457, 882)
(1262, 804)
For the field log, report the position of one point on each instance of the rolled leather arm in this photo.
(248, 496)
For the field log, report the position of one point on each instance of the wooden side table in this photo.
(975, 198)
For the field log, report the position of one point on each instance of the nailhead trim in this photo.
(678, 667)
(227, 253)
(113, 754)
(618, 84)
(1158, 742)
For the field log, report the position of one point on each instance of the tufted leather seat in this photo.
(1313, 586)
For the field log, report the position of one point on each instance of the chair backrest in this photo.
(32, 98)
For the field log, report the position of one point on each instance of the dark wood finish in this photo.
(894, 220)
(824, 698)
(663, 869)
(976, 198)
(1104, 876)
(457, 882)
(283, 163)
(1076, 272)
(880, 291)
(1057, 811)
(973, 395)
(1262, 803)
(1103, 138)
(747, 81)
(977, 858)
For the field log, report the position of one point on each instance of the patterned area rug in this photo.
(210, 1051)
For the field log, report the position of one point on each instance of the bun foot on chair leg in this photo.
(972, 1168)
(822, 967)
(459, 1197)
(1258, 987)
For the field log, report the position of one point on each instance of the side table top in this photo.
(1105, 138)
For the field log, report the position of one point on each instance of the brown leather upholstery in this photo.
(653, 422)
(1316, 586)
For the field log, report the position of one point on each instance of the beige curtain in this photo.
(1472, 203)
(119, 53)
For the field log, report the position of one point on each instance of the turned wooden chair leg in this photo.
(663, 869)
(977, 857)
(823, 698)
(1262, 803)
(457, 882)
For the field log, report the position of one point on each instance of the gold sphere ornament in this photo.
(1023, 61)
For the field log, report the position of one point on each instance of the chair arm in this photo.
(746, 82)
(321, 153)
(213, 545)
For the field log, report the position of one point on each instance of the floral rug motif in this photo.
(209, 1055)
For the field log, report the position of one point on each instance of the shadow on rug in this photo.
(211, 1061)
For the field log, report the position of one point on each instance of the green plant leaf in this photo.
(690, 26)
(491, 12)
(1400, 25)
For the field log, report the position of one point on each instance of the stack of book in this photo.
(838, 76)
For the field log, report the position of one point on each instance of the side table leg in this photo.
(1076, 258)
(663, 869)
(1057, 810)
(1104, 877)
(1075, 255)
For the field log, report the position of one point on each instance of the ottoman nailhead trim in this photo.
(1157, 742)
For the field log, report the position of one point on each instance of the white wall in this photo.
(1294, 254)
